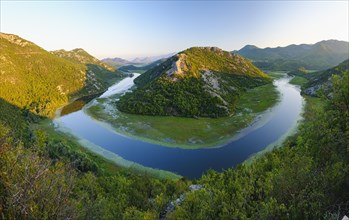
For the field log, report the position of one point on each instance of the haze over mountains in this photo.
(138, 61)
(318, 56)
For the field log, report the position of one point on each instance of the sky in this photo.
(130, 29)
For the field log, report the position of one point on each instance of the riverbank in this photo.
(188, 133)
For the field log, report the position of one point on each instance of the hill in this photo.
(39, 81)
(79, 55)
(200, 81)
(117, 62)
(318, 56)
(323, 79)
(102, 72)
(140, 68)
(151, 59)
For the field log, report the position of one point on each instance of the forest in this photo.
(48, 177)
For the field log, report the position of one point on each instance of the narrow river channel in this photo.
(190, 163)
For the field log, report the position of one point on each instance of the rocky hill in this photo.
(79, 55)
(101, 73)
(318, 56)
(200, 81)
(39, 81)
(323, 79)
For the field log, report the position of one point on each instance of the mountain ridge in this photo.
(321, 55)
(39, 81)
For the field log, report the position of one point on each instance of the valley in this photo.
(126, 136)
(149, 110)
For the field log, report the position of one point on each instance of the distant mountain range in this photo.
(200, 81)
(150, 59)
(118, 62)
(39, 81)
(319, 56)
(140, 68)
(138, 62)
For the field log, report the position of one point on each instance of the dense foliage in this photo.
(305, 179)
(197, 82)
(322, 79)
(319, 56)
(308, 178)
(43, 176)
(79, 55)
(39, 81)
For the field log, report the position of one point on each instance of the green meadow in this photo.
(183, 132)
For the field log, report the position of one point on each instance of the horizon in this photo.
(145, 29)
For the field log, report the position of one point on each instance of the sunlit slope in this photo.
(200, 81)
(38, 80)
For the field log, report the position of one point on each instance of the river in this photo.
(191, 163)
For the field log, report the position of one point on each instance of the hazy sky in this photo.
(138, 28)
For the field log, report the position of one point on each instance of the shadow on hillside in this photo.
(78, 104)
(15, 121)
(92, 89)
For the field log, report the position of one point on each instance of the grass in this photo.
(297, 80)
(188, 132)
(276, 74)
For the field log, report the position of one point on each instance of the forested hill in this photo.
(200, 81)
(323, 79)
(37, 80)
(318, 56)
(79, 55)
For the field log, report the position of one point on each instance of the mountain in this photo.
(319, 56)
(151, 59)
(39, 81)
(200, 81)
(103, 73)
(117, 62)
(142, 68)
(323, 79)
(79, 55)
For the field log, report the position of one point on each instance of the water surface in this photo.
(190, 163)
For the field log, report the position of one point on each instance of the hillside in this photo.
(79, 55)
(103, 73)
(200, 81)
(140, 68)
(117, 62)
(319, 56)
(40, 81)
(323, 79)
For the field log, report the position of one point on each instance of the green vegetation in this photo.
(198, 82)
(319, 56)
(188, 132)
(300, 81)
(322, 80)
(276, 74)
(39, 81)
(306, 178)
(312, 82)
(140, 68)
(46, 175)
